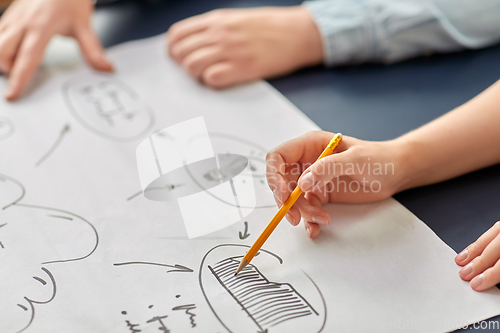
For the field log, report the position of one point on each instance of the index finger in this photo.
(186, 27)
(476, 248)
(305, 148)
(27, 60)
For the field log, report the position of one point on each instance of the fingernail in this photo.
(319, 219)
(306, 182)
(477, 281)
(277, 195)
(105, 64)
(109, 65)
(290, 219)
(467, 270)
(308, 229)
(462, 255)
(9, 94)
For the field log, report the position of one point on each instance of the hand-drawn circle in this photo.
(6, 128)
(108, 107)
(213, 292)
(11, 184)
(11, 193)
(256, 154)
(196, 177)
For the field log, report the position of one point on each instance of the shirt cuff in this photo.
(347, 31)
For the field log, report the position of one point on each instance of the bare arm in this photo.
(461, 141)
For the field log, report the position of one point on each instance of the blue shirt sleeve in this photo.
(356, 31)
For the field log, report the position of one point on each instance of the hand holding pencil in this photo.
(461, 141)
(297, 192)
(350, 175)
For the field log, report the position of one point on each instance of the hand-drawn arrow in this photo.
(65, 130)
(263, 331)
(245, 234)
(177, 267)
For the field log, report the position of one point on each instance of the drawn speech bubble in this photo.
(107, 107)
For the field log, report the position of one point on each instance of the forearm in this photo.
(355, 31)
(461, 141)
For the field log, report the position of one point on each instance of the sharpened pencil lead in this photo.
(243, 264)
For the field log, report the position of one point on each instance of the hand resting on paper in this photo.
(27, 27)
(481, 260)
(228, 46)
(461, 141)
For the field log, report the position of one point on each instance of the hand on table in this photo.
(358, 171)
(229, 46)
(28, 25)
(482, 260)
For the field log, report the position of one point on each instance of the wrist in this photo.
(409, 162)
(310, 48)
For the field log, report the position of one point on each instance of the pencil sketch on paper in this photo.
(256, 155)
(160, 320)
(245, 234)
(260, 305)
(233, 148)
(164, 188)
(108, 107)
(31, 238)
(266, 303)
(172, 268)
(6, 128)
(64, 131)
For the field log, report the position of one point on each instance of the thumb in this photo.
(323, 171)
(92, 49)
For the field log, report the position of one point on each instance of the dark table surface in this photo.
(373, 102)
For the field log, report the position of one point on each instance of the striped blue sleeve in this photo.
(357, 31)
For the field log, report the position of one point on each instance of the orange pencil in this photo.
(283, 210)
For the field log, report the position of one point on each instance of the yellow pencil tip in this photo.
(243, 264)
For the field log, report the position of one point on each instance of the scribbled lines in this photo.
(187, 309)
(266, 303)
(32, 302)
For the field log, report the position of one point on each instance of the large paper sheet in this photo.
(82, 250)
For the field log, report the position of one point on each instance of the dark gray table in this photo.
(373, 102)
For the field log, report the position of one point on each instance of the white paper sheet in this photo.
(82, 250)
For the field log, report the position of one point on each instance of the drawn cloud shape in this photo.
(252, 303)
(31, 239)
(213, 190)
(107, 107)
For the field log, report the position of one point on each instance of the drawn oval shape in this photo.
(6, 128)
(196, 177)
(108, 107)
(250, 302)
(256, 155)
